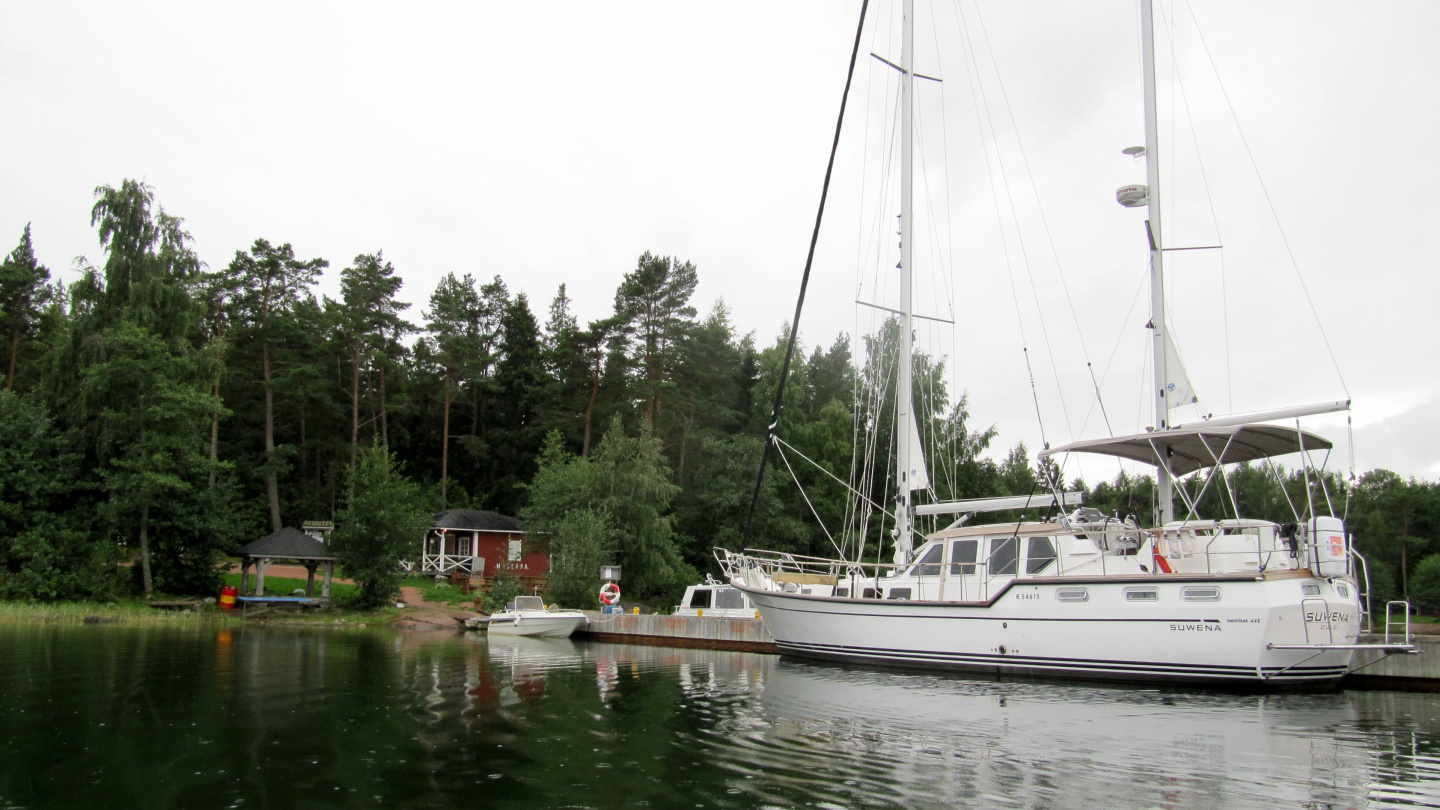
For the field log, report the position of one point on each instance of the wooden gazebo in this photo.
(287, 544)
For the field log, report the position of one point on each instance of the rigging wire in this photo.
(805, 279)
(806, 496)
(1024, 250)
(978, 94)
(1040, 208)
(1284, 238)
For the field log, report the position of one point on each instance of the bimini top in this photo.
(1200, 446)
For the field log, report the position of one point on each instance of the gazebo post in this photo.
(260, 576)
(310, 579)
(329, 569)
(244, 573)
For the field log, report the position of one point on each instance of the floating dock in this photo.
(1412, 673)
(701, 632)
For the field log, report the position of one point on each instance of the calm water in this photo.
(106, 717)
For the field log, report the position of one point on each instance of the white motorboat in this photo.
(716, 599)
(1082, 595)
(528, 616)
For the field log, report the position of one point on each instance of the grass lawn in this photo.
(284, 586)
(440, 592)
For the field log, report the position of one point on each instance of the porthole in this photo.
(1343, 591)
(1310, 589)
(1200, 593)
(1072, 595)
(1142, 595)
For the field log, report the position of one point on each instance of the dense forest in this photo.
(158, 412)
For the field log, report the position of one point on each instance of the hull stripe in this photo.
(994, 661)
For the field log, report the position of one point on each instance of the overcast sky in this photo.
(553, 143)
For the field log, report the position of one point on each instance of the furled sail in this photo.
(1178, 390)
(917, 478)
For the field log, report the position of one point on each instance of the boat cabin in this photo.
(975, 563)
(714, 598)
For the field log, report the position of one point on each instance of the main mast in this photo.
(904, 519)
(1157, 259)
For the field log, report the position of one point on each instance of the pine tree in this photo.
(269, 285)
(451, 323)
(519, 385)
(652, 306)
(367, 323)
(23, 299)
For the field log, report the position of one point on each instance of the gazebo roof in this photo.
(290, 544)
(476, 520)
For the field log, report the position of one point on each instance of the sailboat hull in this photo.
(1026, 631)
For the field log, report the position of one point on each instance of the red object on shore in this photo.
(227, 598)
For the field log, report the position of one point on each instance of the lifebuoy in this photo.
(609, 593)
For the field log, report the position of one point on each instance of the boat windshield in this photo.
(729, 598)
(529, 603)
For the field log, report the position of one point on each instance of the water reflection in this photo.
(257, 717)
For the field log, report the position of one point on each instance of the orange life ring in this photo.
(609, 593)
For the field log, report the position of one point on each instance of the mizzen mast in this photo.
(1163, 477)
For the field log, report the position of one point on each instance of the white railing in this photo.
(1080, 552)
(445, 563)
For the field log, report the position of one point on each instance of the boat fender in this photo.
(609, 594)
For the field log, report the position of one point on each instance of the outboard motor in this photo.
(1329, 550)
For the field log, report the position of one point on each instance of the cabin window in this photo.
(1004, 554)
(1142, 595)
(1200, 593)
(1343, 591)
(963, 556)
(515, 548)
(729, 599)
(870, 593)
(929, 565)
(700, 598)
(842, 591)
(1310, 589)
(1039, 554)
(898, 593)
(1072, 595)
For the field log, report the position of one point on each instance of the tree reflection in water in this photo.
(275, 717)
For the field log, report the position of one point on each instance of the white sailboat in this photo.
(1195, 600)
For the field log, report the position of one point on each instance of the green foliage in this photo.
(1425, 585)
(584, 540)
(503, 589)
(43, 556)
(626, 489)
(381, 525)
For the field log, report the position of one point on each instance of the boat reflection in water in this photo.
(996, 743)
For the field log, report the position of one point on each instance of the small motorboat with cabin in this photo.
(716, 599)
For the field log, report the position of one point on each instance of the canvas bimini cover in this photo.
(1198, 447)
